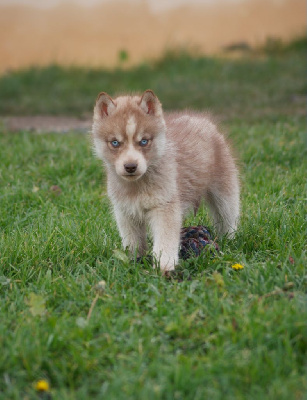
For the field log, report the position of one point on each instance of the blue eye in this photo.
(115, 143)
(143, 142)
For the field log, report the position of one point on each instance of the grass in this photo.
(216, 333)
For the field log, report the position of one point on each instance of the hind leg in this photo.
(225, 209)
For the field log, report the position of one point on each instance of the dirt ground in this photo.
(44, 124)
(95, 36)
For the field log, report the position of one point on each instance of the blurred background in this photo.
(127, 32)
(240, 59)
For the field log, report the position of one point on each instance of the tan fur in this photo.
(185, 160)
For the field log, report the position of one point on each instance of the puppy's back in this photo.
(203, 157)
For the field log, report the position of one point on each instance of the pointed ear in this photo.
(105, 104)
(150, 103)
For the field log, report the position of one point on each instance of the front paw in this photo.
(165, 265)
(167, 268)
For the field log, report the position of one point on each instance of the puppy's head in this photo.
(129, 133)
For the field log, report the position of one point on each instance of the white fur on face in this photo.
(98, 149)
(131, 155)
(131, 128)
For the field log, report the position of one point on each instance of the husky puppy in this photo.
(159, 167)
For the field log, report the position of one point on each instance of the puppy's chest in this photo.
(135, 206)
(138, 203)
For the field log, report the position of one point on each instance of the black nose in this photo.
(130, 167)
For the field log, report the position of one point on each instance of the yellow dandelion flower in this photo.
(237, 267)
(42, 386)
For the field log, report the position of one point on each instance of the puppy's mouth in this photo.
(131, 177)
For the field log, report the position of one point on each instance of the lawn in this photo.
(212, 332)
